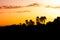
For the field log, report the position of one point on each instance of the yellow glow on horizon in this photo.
(17, 15)
(14, 17)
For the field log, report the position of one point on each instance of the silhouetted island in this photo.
(29, 26)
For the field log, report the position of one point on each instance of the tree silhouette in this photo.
(31, 22)
(49, 27)
(37, 20)
(27, 22)
(57, 19)
(42, 19)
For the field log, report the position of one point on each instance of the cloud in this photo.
(23, 11)
(33, 4)
(16, 11)
(11, 6)
(49, 6)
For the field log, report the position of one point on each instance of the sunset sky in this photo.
(16, 15)
(26, 2)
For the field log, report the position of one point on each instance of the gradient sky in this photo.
(17, 15)
(26, 2)
(16, 2)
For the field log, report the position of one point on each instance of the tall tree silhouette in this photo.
(27, 22)
(42, 19)
(37, 20)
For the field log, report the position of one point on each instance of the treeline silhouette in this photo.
(29, 26)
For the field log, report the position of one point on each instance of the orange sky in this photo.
(17, 15)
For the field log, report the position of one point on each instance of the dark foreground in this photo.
(30, 27)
